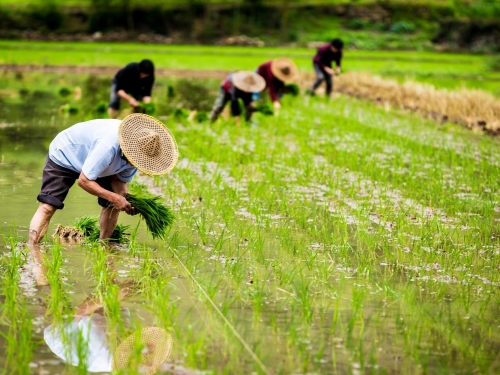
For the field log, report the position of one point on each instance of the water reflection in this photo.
(85, 340)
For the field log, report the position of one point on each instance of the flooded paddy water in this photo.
(337, 238)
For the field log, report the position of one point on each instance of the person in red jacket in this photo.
(236, 86)
(322, 62)
(277, 73)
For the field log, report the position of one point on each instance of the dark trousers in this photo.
(222, 99)
(321, 76)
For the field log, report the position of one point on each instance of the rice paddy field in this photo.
(339, 237)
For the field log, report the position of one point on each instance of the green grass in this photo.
(441, 69)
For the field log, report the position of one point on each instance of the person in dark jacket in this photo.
(236, 86)
(277, 73)
(133, 83)
(322, 62)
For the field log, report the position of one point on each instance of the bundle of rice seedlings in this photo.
(265, 109)
(64, 92)
(292, 89)
(157, 216)
(68, 109)
(119, 234)
(101, 108)
(201, 116)
(147, 108)
(87, 225)
(181, 113)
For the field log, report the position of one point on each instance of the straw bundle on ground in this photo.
(86, 228)
(472, 108)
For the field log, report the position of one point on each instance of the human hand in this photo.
(277, 106)
(133, 102)
(329, 70)
(121, 204)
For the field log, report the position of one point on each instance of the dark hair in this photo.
(147, 67)
(337, 43)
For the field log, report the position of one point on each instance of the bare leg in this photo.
(39, 270)
(40, 222)
(112, 113)
(107, 221)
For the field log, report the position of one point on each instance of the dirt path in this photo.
(111, 70)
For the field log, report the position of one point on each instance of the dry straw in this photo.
(471, 108)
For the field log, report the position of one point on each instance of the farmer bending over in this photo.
(103, 155)
(132, 83)
(240, 85)
(277, 73)
(322, 63)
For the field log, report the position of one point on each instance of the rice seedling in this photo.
(157, 216)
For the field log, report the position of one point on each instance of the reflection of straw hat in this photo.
(248, 81)
(284, 69)
(148, 144)
(155, 345)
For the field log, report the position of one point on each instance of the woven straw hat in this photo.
(156, 345)
(248, 81)
(284, 69)
(148, 144)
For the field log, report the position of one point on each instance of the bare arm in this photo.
(118, 201)
(122, 94)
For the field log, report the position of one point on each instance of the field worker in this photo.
(240, 85)
(277, 73)
(133, 83)
(322, 63)
(103, 155)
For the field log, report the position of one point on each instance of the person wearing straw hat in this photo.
(132, 83)
(103, 155)
(276, 74)
(322, 63)
(236, 86)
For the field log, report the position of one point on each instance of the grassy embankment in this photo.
(439, 69)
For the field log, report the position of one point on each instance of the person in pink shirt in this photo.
(322, 62)
(277, 73)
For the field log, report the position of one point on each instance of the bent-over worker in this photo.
(133, 83)
(103, 155)
(236, 86)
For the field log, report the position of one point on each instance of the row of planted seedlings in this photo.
(335, 237)
(328, 234)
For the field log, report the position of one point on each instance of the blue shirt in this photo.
(92, 147)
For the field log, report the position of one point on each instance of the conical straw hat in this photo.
(248, 81)
(284, 69)
(155, 345)
(148, 144)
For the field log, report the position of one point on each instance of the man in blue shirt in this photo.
(103, 155)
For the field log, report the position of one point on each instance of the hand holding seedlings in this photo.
(121, 204)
